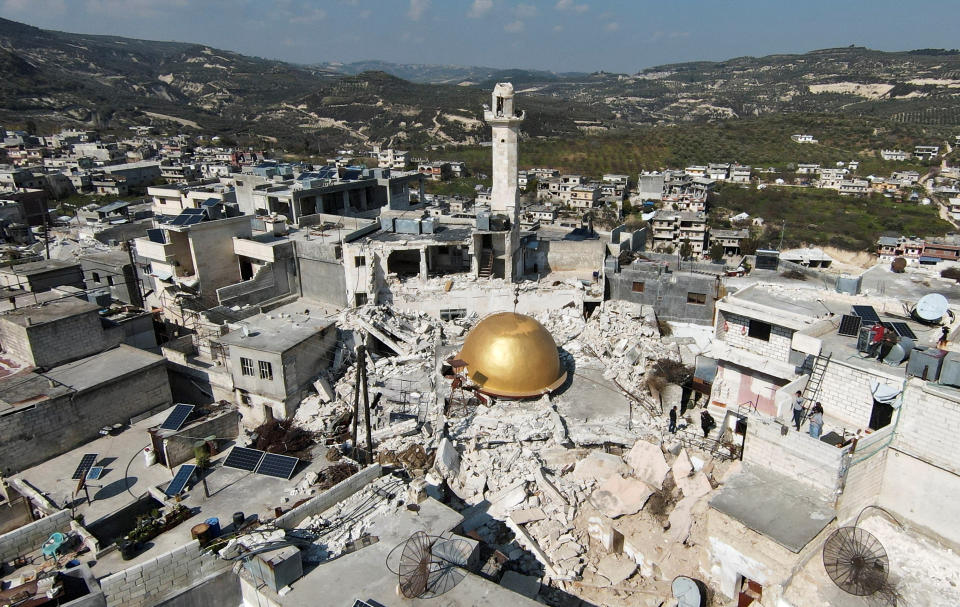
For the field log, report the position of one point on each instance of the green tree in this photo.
(716, 252)
(686, 250)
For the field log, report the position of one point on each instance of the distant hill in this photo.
(107, 82)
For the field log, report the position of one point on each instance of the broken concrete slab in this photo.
(322, 386)
(681, 466)
(507, 499)
(549, 489)
(694, 486)
(681, 518)
(599, 466)
(618, 496)
(526, 540)
(527, 585)
(447, 461)
(527, 515)
(648, 463)
(616, 568)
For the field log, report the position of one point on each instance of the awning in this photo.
(925, 259)
(162, 275)
(883, 393)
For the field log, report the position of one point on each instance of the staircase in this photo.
(486, 263)
(812, 390)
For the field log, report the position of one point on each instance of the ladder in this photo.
(812, 390)
(486, 264)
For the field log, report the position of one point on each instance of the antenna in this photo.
(856, 561)
(430, 565)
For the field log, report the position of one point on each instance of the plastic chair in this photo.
(52, 546)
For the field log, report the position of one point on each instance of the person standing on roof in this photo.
(816, 420)
(942, 344)
(798, 409)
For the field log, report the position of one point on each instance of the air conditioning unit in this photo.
(926, 363)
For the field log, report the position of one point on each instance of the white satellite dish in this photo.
(931, 308)
(687, 592)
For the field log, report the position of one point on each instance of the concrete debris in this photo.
(447, 460)
(618, 496)
(616, 569)
(599, 466)
(527, 515)
(648, 463)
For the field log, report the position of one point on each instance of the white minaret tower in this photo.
(506, 134)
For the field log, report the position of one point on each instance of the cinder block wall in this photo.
(737, 335)
(329, 498)
(30, 537)
(67, 339)
(845, 392)
(221, 425)
(794, 454)
(929, 426)
(55, 426)
(161, 577)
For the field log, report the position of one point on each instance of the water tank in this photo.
(849, 284)
(899, 352)
(926, 363)
(950, 370)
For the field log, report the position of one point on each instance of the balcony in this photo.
(155, 251)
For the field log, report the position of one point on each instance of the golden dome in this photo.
(512, 355)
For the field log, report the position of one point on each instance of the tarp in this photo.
(883, 393)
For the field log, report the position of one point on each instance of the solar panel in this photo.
(180, 481)
(86, 462)
(849, 325)
(192, 219)
(243, 459)
(177, 417)
(192, 212)
(901, 329)
(280, 466)
(95, 473)
(867, 314)
(179, 220)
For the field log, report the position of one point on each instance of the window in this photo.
(96, 277)
(452, 314)
(759, 330)
(638, 286)
(266, 370)
(360, 299)
(246, 366)
(360, 261)
(110, 280)
(697, 298)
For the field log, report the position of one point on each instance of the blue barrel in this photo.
(214, 526)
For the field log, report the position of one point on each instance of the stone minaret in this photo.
(506, 133)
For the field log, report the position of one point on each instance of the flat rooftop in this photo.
(272, 332)
(49, 311)
(94, 370)
(442, 234)
(37, 267)
(126, 478)
(787, 511)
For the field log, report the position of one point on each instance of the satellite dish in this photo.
(931, 308)
(687, 592)
(856, 561)
(430, 566)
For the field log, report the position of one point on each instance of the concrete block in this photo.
(618, 496)
(447, 461)
(599, 466)
(648, 463)
(527, 515)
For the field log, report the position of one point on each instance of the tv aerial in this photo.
(856, 561)
(430, 565)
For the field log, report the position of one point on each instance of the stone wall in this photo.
(162, 577)
(269, 282)
(30, 537)
(57, 425)
(668, 293)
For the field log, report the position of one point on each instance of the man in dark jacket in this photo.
(706, 422)
(673, 420)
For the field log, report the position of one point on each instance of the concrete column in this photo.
(423, 263)
(346, 202)
(363, 199)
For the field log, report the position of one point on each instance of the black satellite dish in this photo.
(856, 561)
(430, 566)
